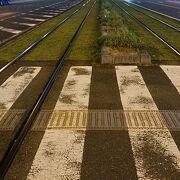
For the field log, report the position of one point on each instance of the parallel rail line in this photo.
(17, 35)
(25, 127)
(156, 12)
(152, 17)
(149, 29)
(36, 42)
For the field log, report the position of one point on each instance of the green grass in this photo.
(53, 46)
(169, 34)
(116, 33)
(85, 46)
(161, 17)
(17, 45)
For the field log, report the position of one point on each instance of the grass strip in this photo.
(85, 46)
(115, 31)
(54, 45)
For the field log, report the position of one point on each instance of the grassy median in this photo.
(85, 46)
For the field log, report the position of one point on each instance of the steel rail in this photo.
(150, 30)
(25, 127)
(150, 16)
(36, 42)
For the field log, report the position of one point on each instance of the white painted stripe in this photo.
(59, 156)
(12, 88)
(75, 92)
(26, 24)
(173, 73)
(41, 15)
(149, 147)
(32, 19)
(133, 91)
(156, 154)
(13, 31)
(53, 13)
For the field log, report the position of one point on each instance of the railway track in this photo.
(40, 39)
(26, 125)
(157, 31)
(153, 17)
(18, 24)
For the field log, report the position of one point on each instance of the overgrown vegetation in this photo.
(115, 32)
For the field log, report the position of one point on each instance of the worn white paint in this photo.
(26, 24)
(13, 31)
(51, 13)
(41, 15)
(59, 156)
(131, 86)
(33, 19)
(133, 91)
(173, 73)
(155, 153)
(75, 92)
(12, 88)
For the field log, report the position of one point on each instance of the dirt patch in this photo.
(157, 161)
(2, 106)
(142, 100)
(67, 99)
(23, 71)
(70, 83)
(135, 80)
(81, 71)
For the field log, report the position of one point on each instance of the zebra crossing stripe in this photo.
(13, 31)
(12, 88)
(145, 143)
(26, 24)
(133, 91)
(32, 19)
(173, 73)
(75, 92)
(62, 151)
(66, 155)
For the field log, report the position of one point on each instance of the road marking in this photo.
(173, 73)
(132, 86)
(107, 120)
(9, 119)
(53, 13)
(59, 155)
(26, 24)
(133, 91)
(12, 88)
(32, 19)
(13, 31)
(156, 154)
(75, 92)
(41, 15)
(95, 120)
